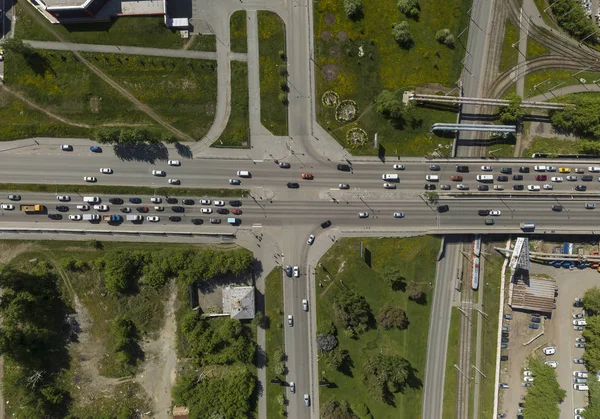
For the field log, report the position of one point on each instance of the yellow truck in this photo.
(32, 209)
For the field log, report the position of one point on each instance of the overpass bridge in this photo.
(455, 100)
(440, 126)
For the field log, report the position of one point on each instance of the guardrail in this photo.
(19, 230)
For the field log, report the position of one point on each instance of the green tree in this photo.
(337, 359)
(332, 409)
(571, 16)
(388, 105)
(394, 277)
(351, 310)
(410, 8)
(402, 35)
(385, 375)
(443, 36)
(353, 8)
(591, 333)
(592, 410)
(589, 147)
(583, 119)
(513, 112)
(544, 396)
(392, 316)
(591, 300)
(414, 291)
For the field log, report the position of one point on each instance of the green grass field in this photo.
(384, 65)
(510, 54)
(237, 27)
(182, 91)
(541, 6)
(547, 80)
(451, 377)
(343, 268)
(274, 337)
(271, 41)
(550, 146)
(534, 49)
(237, 132)
(203, 43)
(131, 31)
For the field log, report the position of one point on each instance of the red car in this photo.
(307, 176)
(236, 211)
(541, 177)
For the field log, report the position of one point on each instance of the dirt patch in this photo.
(95, 104)
(334, 51)
(325, 35)
(9, 251)
(329, 18)
(341, 268)
(342, 35)
(158, 375)
(330, 72)
(432, 89)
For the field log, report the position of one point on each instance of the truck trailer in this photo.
(32, 209)
(134, 218)
(91, 217)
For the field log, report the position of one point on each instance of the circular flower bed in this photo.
(330, 99)
(346, 111)
(356, 137)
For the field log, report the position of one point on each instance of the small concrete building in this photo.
(238, 302)
(81, 11)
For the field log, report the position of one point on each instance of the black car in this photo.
(55, 216)
(325, 224)
(536, 320)
(523, 169)
(518, 187)
(62, 208)
(141, 209)
(429, 187)
(343, 167)
(288, 270)
(505, 340)
(557, 208)
(235, 203)
(483, 188)
(517, 177)
(174, 218)
(462, 169)
(215, 221)
(581, 188)
(125, 209)
(222, 211)
(443, 208)
(135, 200)
(434, 167)
(504, 358)
(172, 200)
(483, 213)
(197, 221)
(502, 178)
(504, 334)
(188, 201)
(506, 170)
(177, 208)
(587, 178)
(116, 201)
(490, 222)
(293, 185)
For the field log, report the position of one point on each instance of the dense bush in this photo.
(388, 105)
(353, 8)
(402, 35)
(583, 119)
(129, 135)
(513, 112)
(545, 395)
(571, 16)
(385, 375)
(352, 311)
(391, 317)
(410, 8)
(326, 343)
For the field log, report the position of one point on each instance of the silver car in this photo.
(363, 215)
(305, 305)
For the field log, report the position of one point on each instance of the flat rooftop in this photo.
(533, 294)
(63, 3)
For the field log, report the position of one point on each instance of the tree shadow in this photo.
(381, 152)
(261, 357)
(346, 367)
(147, 152)
(38, 63)
(413, 381)
(422, 301)
(184, 150)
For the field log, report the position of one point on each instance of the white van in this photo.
(485, 178)
(432, 178)
(390, 176)
(91, 199)
(243, 173)
(581, 387)
(539, 168)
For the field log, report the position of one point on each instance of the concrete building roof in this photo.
(64, 3)
(238, 302)
(533, 294)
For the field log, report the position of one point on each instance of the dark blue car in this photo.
(96, 149)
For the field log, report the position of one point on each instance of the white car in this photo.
(533, 187)
(153, 218)
(528, 379)
(156, 200)
(572, 178)
(219, 203)
(578, 328)
(398, 215)
(296, 271)
(159, 173)
(462, 187)
(399, 167)
(498, 187)
(311, 239)
(9, 207)
(549, 350)
(551, 168)
(580, 339)
(343, 186)
(63, 198)
(101, 207)
(581, 322)
(594, 169)
(556, 179)
(578, 361)
(106, 170)
(580, 345)
(292, 387)
(363, 215)
(75, 217)
(65, 147)
(548, 187)
(577, 315)
(487, 168)
(83, 207)
(290, 320)
(389, 186)
(551, 364)
(89, 179)
(495, 213)
(159, 208)
(206, 210)
(305, 305)
(174, 163)
(174, 181)
(579, 411)
(205, 201)
(580, 374)
(527, 373)
(306, 400)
